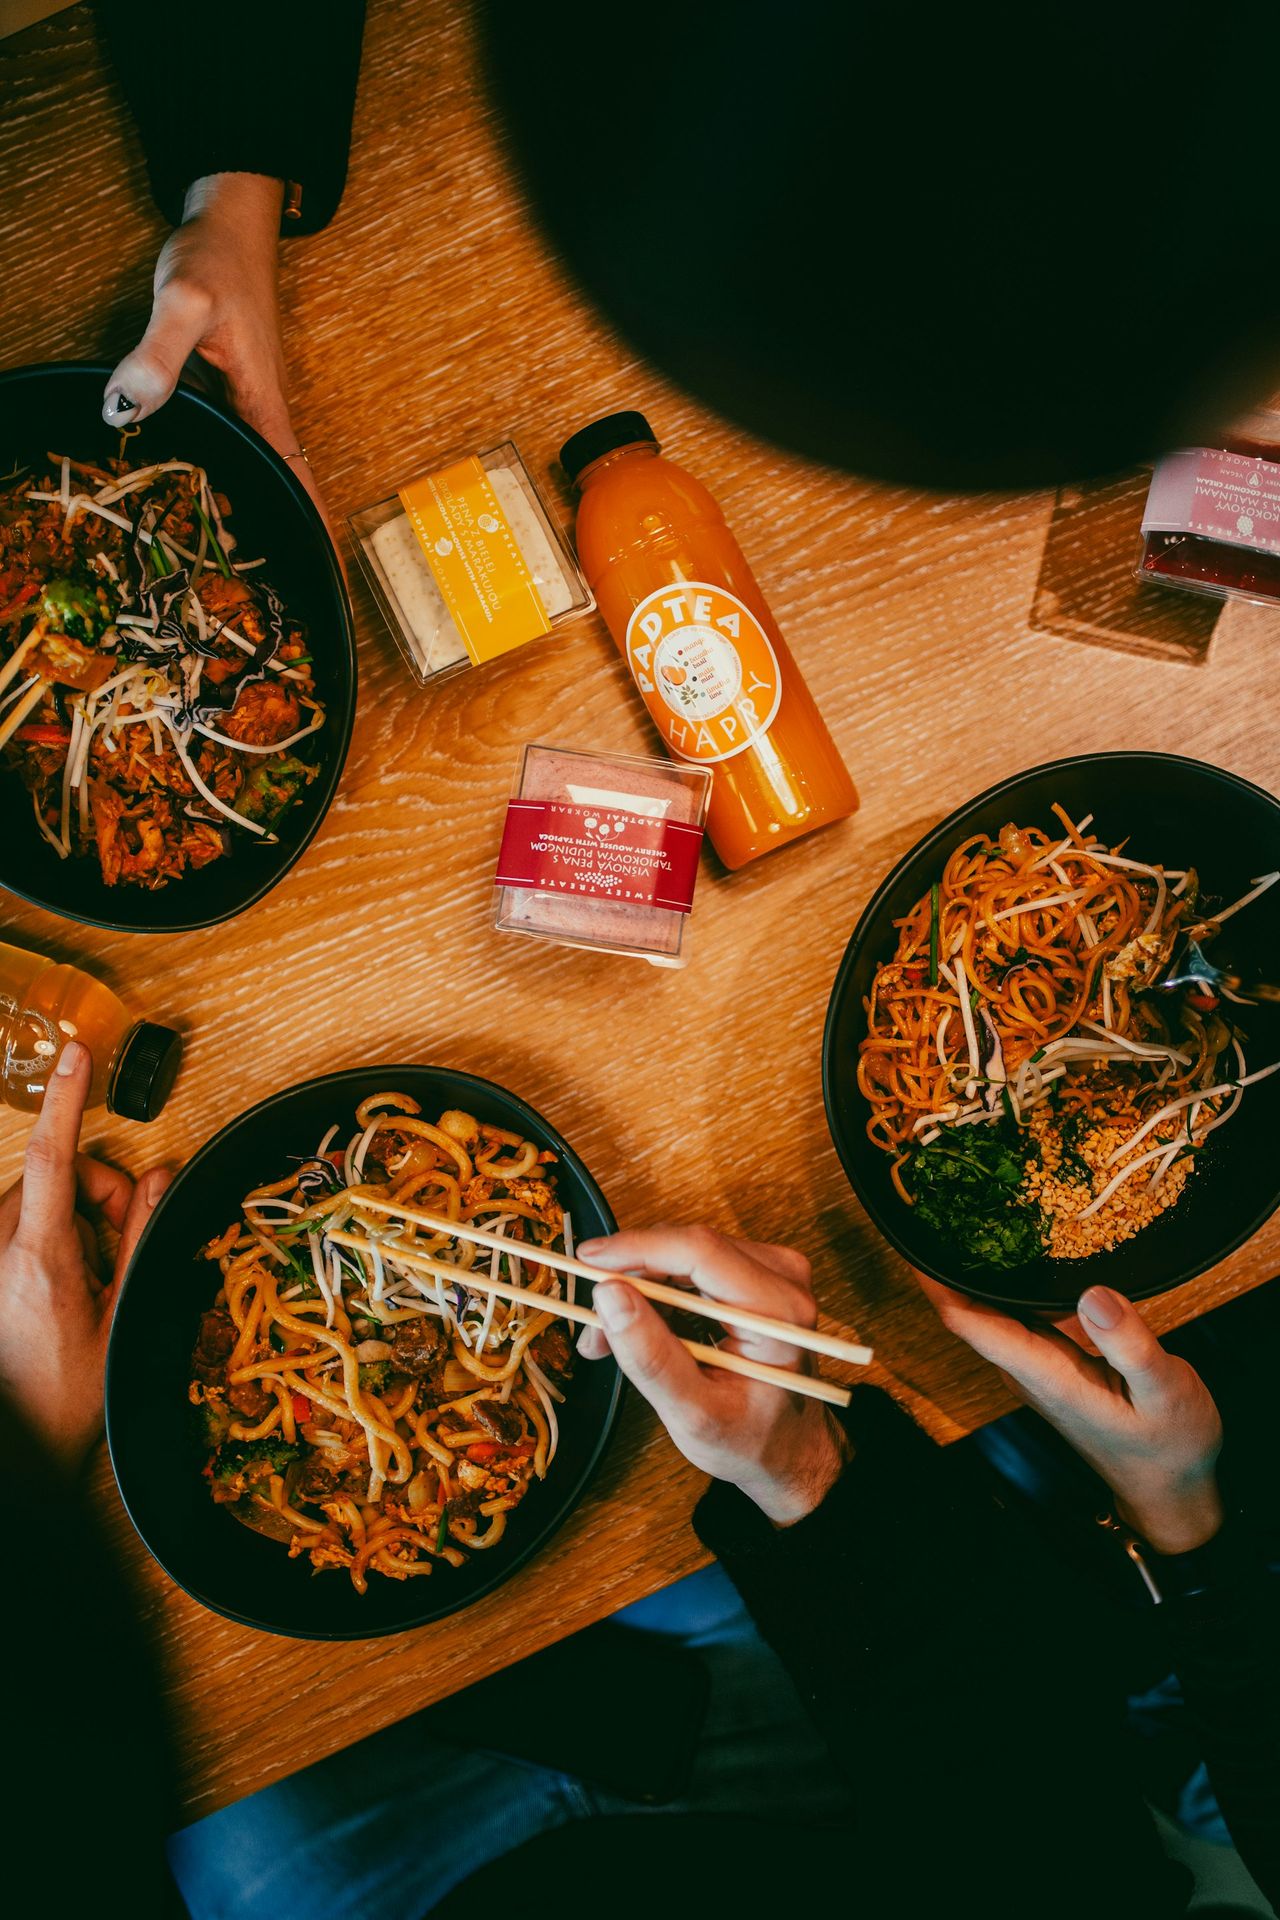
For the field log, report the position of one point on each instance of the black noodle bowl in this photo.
(1182, 813)
(154, 1449)
(57, 408)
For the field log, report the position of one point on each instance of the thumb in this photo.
(145, 378)
(648, 1352)
(1123, 1338)
(146, 1197)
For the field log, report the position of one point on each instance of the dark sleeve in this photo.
(1225, 1645)
(253, 86)
(950, 1665)
(92, 1794)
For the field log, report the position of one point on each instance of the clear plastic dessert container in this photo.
(468, 561)
(600, 850)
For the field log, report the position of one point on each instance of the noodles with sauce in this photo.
(1025, 1061)
(370, 1416)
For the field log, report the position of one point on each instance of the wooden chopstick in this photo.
(463, 1276)
(20, 652)
(13, 720)
(809, 1387)
(809, 1338)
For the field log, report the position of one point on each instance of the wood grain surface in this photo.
(429, 317)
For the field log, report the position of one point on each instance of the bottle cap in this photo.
(145, 1072)
(602, 436)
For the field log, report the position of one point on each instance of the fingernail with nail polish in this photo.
(615, 1305)
(70, 1057)
(1101, 1306)
(120, 403)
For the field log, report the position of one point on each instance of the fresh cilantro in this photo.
(967, 1185)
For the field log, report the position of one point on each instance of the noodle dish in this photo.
(1050, 1047)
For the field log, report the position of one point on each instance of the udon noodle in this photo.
(366, 1414)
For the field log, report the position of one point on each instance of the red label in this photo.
(1232, 497)
(561, 848)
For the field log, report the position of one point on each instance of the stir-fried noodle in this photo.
(1029, 994)
(370, 1414)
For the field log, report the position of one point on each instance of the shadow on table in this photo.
(1086, 589)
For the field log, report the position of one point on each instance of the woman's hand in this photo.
(784, 1452)
(215, 294)
(55, 1307)
(1143, 1419)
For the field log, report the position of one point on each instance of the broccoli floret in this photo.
(270, 1453)
(273, 787)
(72, 608)
(375, 1375)
(241, 1464)
(213, 1422)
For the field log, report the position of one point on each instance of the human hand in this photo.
(214, 293)
(784, 1452)
(1142, 1418)
(55, 1307)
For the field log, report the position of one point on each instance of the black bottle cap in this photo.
(145, 1072)
(602, 436)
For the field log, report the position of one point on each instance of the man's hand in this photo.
(784, 1452)
(215, 294)
(1143, 1419)
(55, 1308)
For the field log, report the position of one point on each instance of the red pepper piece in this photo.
(19, 600)
(44, 733)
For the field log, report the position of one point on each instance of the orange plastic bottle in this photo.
(702, 645)
(43, 1004)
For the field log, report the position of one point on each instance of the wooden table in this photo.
(427, 317)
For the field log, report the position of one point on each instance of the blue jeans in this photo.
(391, 1825)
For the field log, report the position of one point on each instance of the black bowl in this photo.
(150, 1431)
(1183, 813)
(58, 407)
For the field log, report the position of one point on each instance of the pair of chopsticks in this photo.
(725, 1311)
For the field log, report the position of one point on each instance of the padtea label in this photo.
(708, 673)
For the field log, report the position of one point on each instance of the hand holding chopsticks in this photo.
(783, 1452)
(758, 1326)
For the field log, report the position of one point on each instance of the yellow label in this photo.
(478, 566)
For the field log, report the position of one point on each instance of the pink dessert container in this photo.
(600, 850)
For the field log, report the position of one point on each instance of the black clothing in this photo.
(953, 1663)
(89, 1784)
(946, 246)
(256, 86)
(952, 249)
(922, 1619)
(967, 1688)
